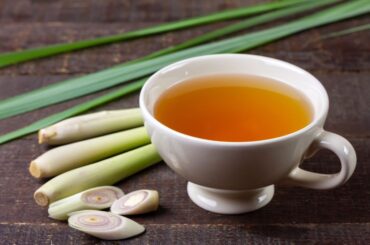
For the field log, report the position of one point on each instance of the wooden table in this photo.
(295, 215)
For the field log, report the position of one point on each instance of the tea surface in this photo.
(233, 108)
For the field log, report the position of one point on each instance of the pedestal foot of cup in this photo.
(229, 201)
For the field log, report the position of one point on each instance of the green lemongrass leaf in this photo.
(238, 27)
(75, 87)
(245, 42)
(10, 58)
(73, 111)
(347, 31)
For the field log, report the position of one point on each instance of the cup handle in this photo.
(346, 154)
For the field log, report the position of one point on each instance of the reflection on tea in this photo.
(233, 108)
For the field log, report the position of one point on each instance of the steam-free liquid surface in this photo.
(233, 108)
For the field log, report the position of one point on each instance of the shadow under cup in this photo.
(236, 177)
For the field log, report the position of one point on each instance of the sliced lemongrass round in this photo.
(137, 202)
(95, 198)
(104, 225)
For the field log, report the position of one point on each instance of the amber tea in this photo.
(233, 108)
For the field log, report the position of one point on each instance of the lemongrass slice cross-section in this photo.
(137, 202)
(104, 225)
(95, 198)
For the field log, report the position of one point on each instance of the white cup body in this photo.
(233, 165)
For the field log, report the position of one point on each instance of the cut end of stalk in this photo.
(41, 199)
(45, 134)
(34, 170)
(100, 197)
(137, 202)
(104, 225)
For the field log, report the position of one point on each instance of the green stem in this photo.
(106, 172)
(66, 157)
(90, 125)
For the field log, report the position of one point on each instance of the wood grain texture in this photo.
(295, 216)
(214, 234)
(111, 10)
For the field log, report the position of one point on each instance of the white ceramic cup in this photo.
(238, 177)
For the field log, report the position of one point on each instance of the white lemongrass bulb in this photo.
(104, 225)
(90, 125)
(137, 202)
(95, 198)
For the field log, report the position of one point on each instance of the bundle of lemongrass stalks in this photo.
(99, 150)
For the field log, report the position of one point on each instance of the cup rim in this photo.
(148, 116)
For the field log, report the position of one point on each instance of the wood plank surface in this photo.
(295, 215)
(184, 234)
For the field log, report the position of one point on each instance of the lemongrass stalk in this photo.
(137, 202)
(10, 58)
(96, 198)
(67, 157)
(90, 125)
(104, 225)
(106, 172)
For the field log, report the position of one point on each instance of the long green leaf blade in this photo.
(94, 82)
(10, 58)
(347, 31)
(73, 111)
(340, 12)
(239, 26)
